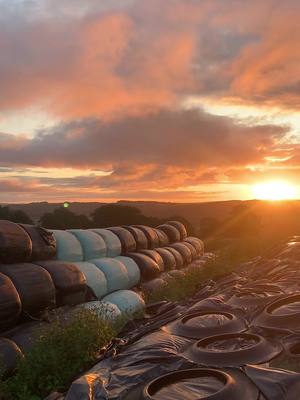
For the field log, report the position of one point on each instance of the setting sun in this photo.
(275, 191)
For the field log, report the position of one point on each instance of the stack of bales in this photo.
(42, 269)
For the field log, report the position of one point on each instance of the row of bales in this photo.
(41, 270)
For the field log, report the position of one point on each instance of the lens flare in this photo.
(275, 191)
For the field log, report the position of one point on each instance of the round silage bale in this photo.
(184, 251)
(113, 244)
(168, 258)
(180, 227)
(10, 354)
(133, 270)
(172, 232)
(43, 242)
(139, 237)
(151, 235)
(178, 257)
(127, 301)
(115, 273)
(93, 245)
(104, 309)
(10, 303)
(34, 285)
(192, 249)
(148, 267)
(197, 243)
(156, 257)
(69, 281)
(68, 246)
(163, 238)
(15, 243)
(127, 240)
(95, 278)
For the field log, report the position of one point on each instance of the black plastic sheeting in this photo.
(43, 242)
(34, 285)
(10, 303)
(15, 243)
(135, 366)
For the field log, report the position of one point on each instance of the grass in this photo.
(185, 287)
(61, 353)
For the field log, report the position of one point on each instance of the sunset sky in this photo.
(172, 100)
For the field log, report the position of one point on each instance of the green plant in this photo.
(61, 353)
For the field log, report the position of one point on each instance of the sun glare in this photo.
(275, 191)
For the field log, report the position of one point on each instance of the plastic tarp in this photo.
(43, 242)
(34, 285)
(95, 278)
(127, 301)
(10, 303)
(15, 243)
(93, 245)
(113, 244)
(69, 281)
(133, 270)
(115, 273)
(68, 247)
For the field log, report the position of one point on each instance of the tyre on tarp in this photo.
(163, 238)
(95, 278)
(15, 243)
(178, 257)
(151, 235)
(139, 237)
(197, 243)
(43, 242)
(168, 258)
(10, 354)
(172, 232)
(148, 267)
(69, 281)
(115, 272)
(234, 350)
(127, 240)
(34, 285)
(180, 227)
(68, 246)
(155, 257)
(93, 245)
(10, 303)
(104, 309)
(201, 324)
(127, 301)
(201, 383)
(192, 249)
(184, 251)
(133, 270)
(113, 244)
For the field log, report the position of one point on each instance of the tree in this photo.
(117, 214)
(17, 216)
(62, 218)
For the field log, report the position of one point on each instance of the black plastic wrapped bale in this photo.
(34, 285)
(192, 249)
(10, 354)
(196, 384)
(180, 227)
(199, 324)
(234, 350)
(15, 243)
(69, 282)
(178, 257)
(184, 251)
(148, 267)
(127, 240)
(163, 238)
(156, 257)
(172, 232)
(151, 235)
(26, 335)
(139, 236)
(10, 303)
(43, 242)
(197, 243)
(168, 258)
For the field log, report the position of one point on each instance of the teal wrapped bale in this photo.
(127, 301)
(68, 246)
(95, 278)
(115, 273)
(133, 270)
(93, 245)
(10, 303)
(15, 243)
(113, 244)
